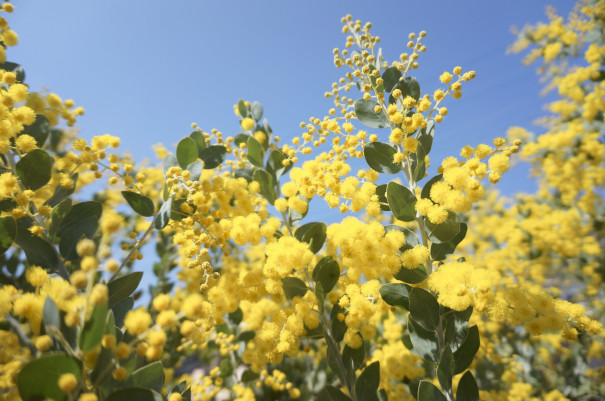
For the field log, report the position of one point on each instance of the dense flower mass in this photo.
(430, 286)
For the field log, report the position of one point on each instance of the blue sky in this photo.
(144, 70)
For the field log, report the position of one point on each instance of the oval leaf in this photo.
(149, 376)
(424, 308)
(379, 157)
(94, 328)
(411, 276)
(467, 388)
(465, 354)
(364, 109)
(266, 185)
(402, 202)
(445, 231)
(213, 156)
(445, 249)
(186, 152)
(313, 234)
(200, 140)
(139, 203)
(396, 294)
(390, 77)
(427, 391)
(294, 287)
(425, 342)
(409, 86)
(38, 379)
(123, 287)
(255, 152)
(366, 385)
(134, 393)
(35, 169)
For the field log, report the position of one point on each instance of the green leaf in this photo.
(182, 389)
(467, 388)
(411, 239)
(313, 234)
(226, 367)
(186, 152)
(255, 152)
(87, 227)
(396, 294)
(426, 135)
(411, 276)
(456, 328)
(139, 203)
(327, 273)
(241, 138)
(200, 140)
(424, 308)
(356, 355)
(50, 313)
(381, 192)
(274, 164)
(79, 212)
(445, 369)
(196, 168)
(333, 355)
(402, 202)
(465, 354)
(419, 163)
(134, 393)
(266, 185)
(62, 193)
(390, 77)
(245, 336)
(426, 190)
(445, 249)
(57, 215)
(445, 231)
(241, 107)
(338, 327)
(213, 156)
(123, 287)
(335, 394)
(427, 391)
(379, 157)
(94, 328)
(236, 316)
(35, 169)
(8, 232)
(38, 379)
(169, 161)
(382, 395)
(364, 110)
(163, 216)
(39, 252)
(409, 87)
(149, 376)
(257, 111)
(249, 375)
(9, 66)
(294, 287)
(246, 173)
(425, 342)
(39, 130)
(367, 383)
(120, 309)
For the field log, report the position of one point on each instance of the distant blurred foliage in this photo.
(430, 287)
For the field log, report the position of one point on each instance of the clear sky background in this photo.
(145, 70)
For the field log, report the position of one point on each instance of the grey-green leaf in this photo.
(186, 152)
(8, 232)
(266, 185)
(427, 391)
(396, 294)
(402, 201)
(424, 308)
(255, 152)
(445, 231)
(139, 203)
(379, 157)
(425, 342)
(367, 383)
(123, 287)
(465, 354)
(35, 169)
(312, 233)
(213, 156)
(364, 110)
(294, 287)
(390, 77)
(94, 328)
(467, 388)
(445, 249)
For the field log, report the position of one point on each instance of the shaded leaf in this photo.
(200, 140)
(163, 216)
(139, 203)
(213, 156)
(402, 201)
(426, 190)
(255, 152)
(275, 165)
(123, 287)
(313, 234)
(326, 272)
(445, 249)
(467, 388)
(424, 308)
(427, 391)
(39, 130)
(409, 86)
(94, 328)
(445, 369)
(445, 231)
(367, 383)
(294, 287)
(266, 185)
(411, 276)
(465, 354)
(120, 309)
(246, 173)
(149, 376)
(335, 394)
(379, 157)
(134, 393)
(425, 342)
(62, 193)
(79, 212)
(39, 252)
(390, 77)
(257, 111)
(396, 294)
(70, 238)
(35, 169)
(8, 232)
